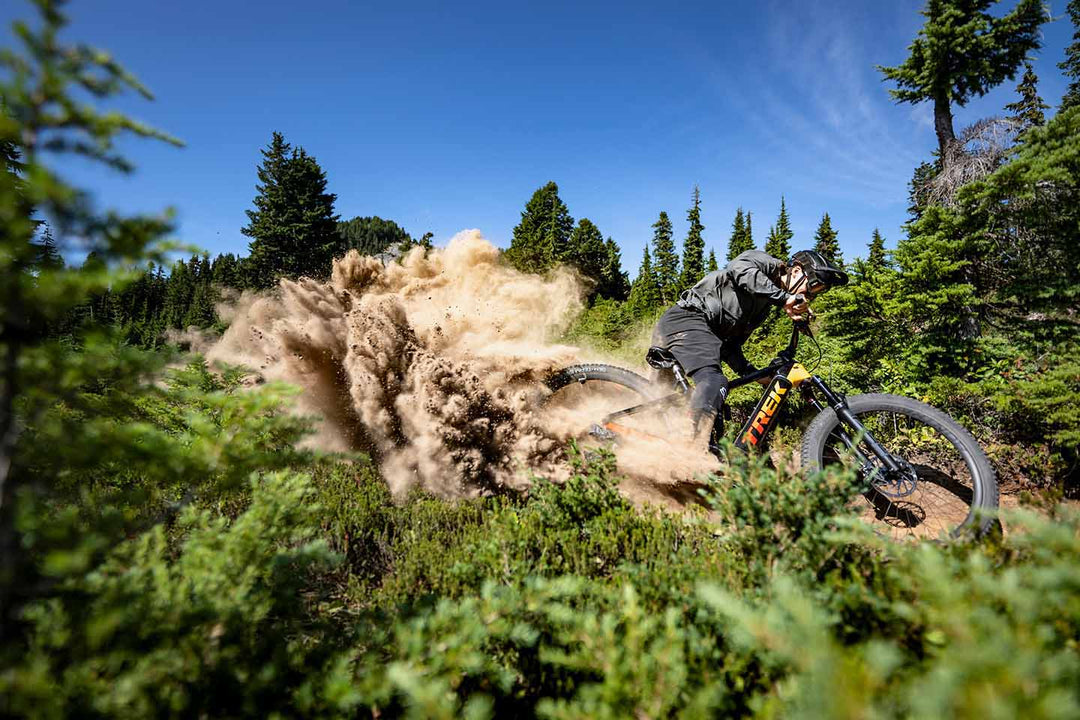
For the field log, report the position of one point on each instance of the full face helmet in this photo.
(820, 275)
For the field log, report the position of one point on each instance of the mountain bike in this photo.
(920, 473)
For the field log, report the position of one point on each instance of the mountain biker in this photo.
(711, 320)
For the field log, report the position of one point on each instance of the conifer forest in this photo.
(322, 475)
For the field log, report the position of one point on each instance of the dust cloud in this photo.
(434, 365)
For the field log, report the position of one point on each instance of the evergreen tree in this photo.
(1028, 110)
(665, 260)
(875, 259)
(918, 186)
(48, 255)
(645, 292)
(614, 284)
(712, 265)
(179, 292)
(1070, 66)
(225, 271)
(540, 239)
(586, 251)
(961, 52)
(369, 236)
(778, 243)
(693, 259)
(741, 238)
(825, 242)
(293, 226)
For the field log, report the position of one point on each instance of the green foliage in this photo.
(918, 188)
(369, 236)
(693, 258)
(210, 622)
(293, 226)
(970, 636)
(585, 251)
(778, 243)
(740, 241)
(1027, 214)
(162, 555)
(614, 283)
(1070, 66)
(781, 615)
(645, 291)
(1028, 110)
(665, 260)
(541, 238)
(875, 258)
(711, 265)
(963, 51)
(41, 114)
(607, 324)
(825, 242)
(975, 311)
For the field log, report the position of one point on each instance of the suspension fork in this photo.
(847, 419)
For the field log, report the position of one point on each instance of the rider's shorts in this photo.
(685, 333)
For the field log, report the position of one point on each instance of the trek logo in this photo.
(763, 414)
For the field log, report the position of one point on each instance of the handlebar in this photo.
(798, 327)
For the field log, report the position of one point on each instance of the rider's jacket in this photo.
(737, 298)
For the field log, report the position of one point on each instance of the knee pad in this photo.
(710, 389)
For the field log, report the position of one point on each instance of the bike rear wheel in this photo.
(582, 396)
(946, 485)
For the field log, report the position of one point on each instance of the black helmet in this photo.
(820, 274)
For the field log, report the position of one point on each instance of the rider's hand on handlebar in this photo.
(796, 307)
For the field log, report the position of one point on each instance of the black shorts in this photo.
(685, 333)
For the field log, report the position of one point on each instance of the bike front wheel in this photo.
(945, 485)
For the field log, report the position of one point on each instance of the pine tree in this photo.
(740, 240)
(778, 243)
(48, 255)
(614, 284)
(1028, 110)
(875, 259)
(1070, 66)
(369, 236)
(665, 260)
(918, 187)
(586, 251)
(693, 259)
(825, 242)
(179, 292)
(644, 293)
(540, 239)
(225, 271)
(293, 226)
(712, 265)
(961, 52)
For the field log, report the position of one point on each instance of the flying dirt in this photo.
(434, 366)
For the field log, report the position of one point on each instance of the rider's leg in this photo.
(706, 403)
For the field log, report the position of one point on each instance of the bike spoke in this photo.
(931, 499)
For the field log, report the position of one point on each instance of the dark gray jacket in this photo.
(738, 298)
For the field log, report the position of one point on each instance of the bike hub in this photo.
(896, 483)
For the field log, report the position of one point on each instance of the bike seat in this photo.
(660, 358)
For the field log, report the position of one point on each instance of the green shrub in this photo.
(213, 624)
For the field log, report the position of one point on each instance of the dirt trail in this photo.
(432, 365)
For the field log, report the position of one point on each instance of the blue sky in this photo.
(446, 116)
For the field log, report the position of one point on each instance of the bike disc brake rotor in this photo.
(898, 483)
